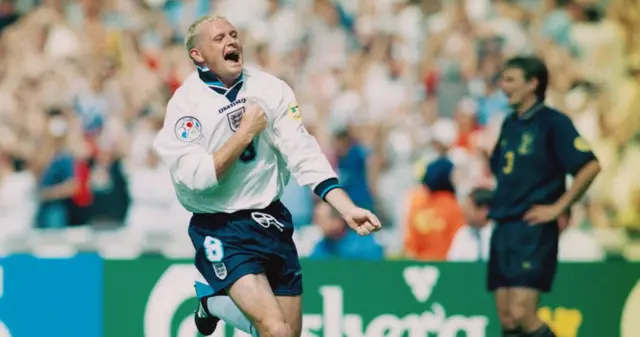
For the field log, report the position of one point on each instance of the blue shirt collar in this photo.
(532, 111)
(211, 80)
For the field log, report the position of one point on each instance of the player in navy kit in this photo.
(537, 147)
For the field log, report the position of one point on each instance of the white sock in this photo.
(225, 309)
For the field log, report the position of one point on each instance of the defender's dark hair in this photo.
(532, 67)
(481, 197)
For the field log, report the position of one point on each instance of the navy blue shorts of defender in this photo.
(232, 245)
(523, 255)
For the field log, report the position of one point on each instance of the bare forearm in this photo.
(580, 184)
(227, 155)
(60, 191)
(339, 200)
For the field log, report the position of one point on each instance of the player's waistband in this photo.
(507, 219)
(214, 219)
(514, 220)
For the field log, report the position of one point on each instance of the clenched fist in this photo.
(254, 120)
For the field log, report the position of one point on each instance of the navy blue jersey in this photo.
(532, 158)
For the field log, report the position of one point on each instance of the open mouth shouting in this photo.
(232, 57)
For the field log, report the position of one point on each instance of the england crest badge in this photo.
(234, 118)
(220, 270)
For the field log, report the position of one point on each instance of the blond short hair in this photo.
(194, 29)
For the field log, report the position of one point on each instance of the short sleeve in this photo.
(571, 149)
(496, 154)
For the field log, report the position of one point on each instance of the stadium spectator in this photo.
(434, 214)
(8, 14)
(154, 206)
(340, 242)
(576, 244)
(393, 73)
(471, 242)
(353, 168)
(466, 124)
(57, 182)
(300, 201)
(17, 196)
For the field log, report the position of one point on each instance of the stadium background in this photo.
(90, 229)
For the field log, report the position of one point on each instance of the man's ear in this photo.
(196, 56)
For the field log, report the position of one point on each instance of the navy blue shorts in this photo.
(232, 245)
(523, 255)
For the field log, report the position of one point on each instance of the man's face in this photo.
(218, 47)
(341, 145)
(465, 120)
(514, 85)
(330, 225)
(476, 216)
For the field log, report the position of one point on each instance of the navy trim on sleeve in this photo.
(588, 159)
(324, 187)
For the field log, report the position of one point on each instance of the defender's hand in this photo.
(254, 120)
(539, 214)
(563, 221)
(362, 221)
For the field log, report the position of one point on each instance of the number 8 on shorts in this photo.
(213, 249)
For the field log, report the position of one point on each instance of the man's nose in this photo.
(230, 41)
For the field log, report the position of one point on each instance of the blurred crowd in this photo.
(388, 87)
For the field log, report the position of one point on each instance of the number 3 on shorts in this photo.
(213, 249)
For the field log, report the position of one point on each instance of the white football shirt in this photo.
(201, 117)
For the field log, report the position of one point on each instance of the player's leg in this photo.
(205, 321)
(535, 261)
(286, 282)
(212, 309)
(223, 308)
(253, 295)
(508, 323)
(221, 261)
(291, 307)
(497, 280)
(283, 269)
(272, 300)
(524, 309)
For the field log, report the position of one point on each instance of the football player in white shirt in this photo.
(231, 138)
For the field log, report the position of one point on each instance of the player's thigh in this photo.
(523, 302)
(253, 295)
(498, 264)
(501, 297)
(533, 256)
(291, 307)
(220, 257)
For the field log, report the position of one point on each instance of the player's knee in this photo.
(296, 330)
(504, 314)
(519, 313)
(275, 328)
(506, 321)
